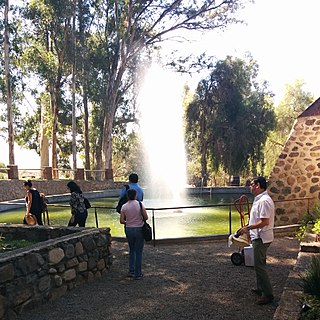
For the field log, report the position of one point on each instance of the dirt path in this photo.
(196, 281)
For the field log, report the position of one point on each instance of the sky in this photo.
(281, 35)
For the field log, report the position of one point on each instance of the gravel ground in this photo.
(182, 281)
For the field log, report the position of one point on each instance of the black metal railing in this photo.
(231, 209)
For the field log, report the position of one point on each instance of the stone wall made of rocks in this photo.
(47, 270)
(296, 174)
(13, 189)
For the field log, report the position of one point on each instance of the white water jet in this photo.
(160, 104)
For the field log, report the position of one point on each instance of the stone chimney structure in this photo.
(296, 174)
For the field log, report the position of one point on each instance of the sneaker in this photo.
(257, 292)
(265, 300)
(130, 274)
(138, 277)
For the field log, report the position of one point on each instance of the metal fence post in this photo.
(96, 216)
(153, 229)
(230, 220)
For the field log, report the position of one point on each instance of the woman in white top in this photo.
(132, 216)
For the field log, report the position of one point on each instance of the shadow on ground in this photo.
(189, 281)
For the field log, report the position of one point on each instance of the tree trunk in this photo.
(98, 162)
(107, 140)
(74, 120)
(84, 82)
(204, 174)
(44, 143)
(8, 83)
(204, 147)
(54, 135)
(86, 133)
(110, 109)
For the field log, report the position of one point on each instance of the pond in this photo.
(171, 223)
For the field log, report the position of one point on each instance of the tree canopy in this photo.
(103, 44)
(230, 117)
(293, 103)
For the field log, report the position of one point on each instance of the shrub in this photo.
(314, 312)
(311, 278)
(316, 227)
(309, 217)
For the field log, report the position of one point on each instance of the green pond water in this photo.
(172, 223)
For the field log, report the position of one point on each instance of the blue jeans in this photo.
(79, 218)
(136, 243)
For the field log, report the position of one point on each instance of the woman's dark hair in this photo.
(133, 178)
(73, 187)
(28, 183)
(131, 194)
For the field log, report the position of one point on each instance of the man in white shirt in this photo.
(260, 227)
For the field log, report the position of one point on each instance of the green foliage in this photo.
(294, 102)
(127, 156)
(316, 227)
(112, 40)
(314, 312)
(3, 174)
(301, 232)
(6, 244)
(311, 278)
(230, 117)
(308, 218)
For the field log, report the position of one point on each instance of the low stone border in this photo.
(291, 299)
(48, 269)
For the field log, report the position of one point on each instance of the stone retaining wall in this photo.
(297, 172)
(13, 189)
(47, 270)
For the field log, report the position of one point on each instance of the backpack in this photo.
(122, 200)
(87, 203)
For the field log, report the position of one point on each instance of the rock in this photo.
(44, 283)
(6, 273)
(56, 255)
(78, 249)
(69, 275)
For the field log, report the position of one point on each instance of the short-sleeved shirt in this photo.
(136, 187)
(132, 212)
(262, 207)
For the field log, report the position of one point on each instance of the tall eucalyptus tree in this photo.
(113, 40)
(47, 55)
(128, 28)
(6, 44)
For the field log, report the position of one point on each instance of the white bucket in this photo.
(248, 256)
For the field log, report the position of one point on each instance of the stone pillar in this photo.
(13, 172)
(47, 173)
(79, 174)
(108, 174)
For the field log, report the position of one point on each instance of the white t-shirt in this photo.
(262, 207)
